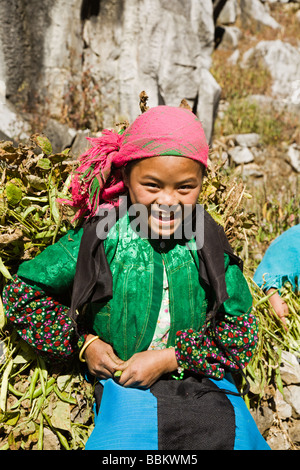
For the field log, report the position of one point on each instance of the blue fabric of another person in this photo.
(281, 262)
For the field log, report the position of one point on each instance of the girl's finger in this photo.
(122, 365)
(115, 358)
(128, 382)
(110, 365)
(122, 375)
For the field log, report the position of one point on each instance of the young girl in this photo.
(159, 313)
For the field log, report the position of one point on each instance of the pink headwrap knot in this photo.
(95, 173)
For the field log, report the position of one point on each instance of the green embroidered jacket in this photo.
(129, 319)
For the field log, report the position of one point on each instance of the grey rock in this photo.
(268, 103)
(240, 155)
(254, 9)
(60, 135)
(229, 12)
(22, 37)
(250, 170)
(209, 97)
(264, 417)
(289, 368)
(81, 144)
(283, 408)
(293, 157)
(278, 440)
(247, 140)
(233, 59)
(230, 37)
(294, 431)
(12, 124)
(6, 137)
(222, 108)
(51, 441)
(292, 396)
(283, 61)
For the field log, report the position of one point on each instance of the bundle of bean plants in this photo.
(228, 200)
(46, 406)
(41, 406)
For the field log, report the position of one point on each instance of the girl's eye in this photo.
(185, 187)
(151, 185)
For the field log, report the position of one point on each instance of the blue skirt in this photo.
(188, 414)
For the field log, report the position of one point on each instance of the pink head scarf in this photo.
(160, 131)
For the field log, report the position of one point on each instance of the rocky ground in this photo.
(278, 417)
(257, 39)
(255, 46)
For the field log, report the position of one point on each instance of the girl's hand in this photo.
(146, 367)
(101, 359)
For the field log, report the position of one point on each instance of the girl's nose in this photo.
(167, 198)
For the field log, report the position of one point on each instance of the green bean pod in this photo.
(33, 384)
(65, 398)
(41, 434)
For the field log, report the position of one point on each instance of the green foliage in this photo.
(238, 82)
(37, 400)
(225, 198)
(34, 397)
(243, 116)
(263, 371)
(276, 214)
(30, 217)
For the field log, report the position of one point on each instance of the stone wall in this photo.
(60, 52)
(278, 170)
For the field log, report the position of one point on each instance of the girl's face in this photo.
(164, 185)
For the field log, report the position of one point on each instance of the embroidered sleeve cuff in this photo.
(40, 320)
(202, 355)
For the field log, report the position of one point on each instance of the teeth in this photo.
(162, 216)
(165, 217)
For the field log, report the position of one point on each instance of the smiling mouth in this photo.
(165, 218)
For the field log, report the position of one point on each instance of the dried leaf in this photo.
(61, 417)
(7, 238)
(36, 182)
